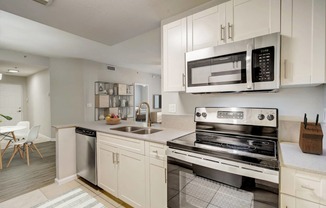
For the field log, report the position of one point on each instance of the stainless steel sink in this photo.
(146, 131)
(127, 128)
(136, 130)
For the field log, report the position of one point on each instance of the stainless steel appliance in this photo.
(230, 161)
(249, 65)
(86, 154)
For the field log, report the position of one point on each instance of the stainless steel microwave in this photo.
(248, 65)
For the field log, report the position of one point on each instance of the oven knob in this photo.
(204, 114)
(261, 116)
(198, 114)
(270, 117)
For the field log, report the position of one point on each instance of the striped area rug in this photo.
(76, 198)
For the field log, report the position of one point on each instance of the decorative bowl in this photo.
(112, 121)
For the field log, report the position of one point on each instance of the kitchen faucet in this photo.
(149, 113)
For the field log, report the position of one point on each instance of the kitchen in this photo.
(291, 102)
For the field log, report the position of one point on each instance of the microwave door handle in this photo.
(249, 66)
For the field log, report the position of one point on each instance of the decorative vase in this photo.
(110, 91)
(101, 117)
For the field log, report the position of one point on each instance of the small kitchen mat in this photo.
(77, 198)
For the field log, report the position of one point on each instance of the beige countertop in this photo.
(291, 156)
(158, 137)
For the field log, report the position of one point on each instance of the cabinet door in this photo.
(107, 168)
(303, 42)
(225, 12)
(157, 183)
(132, 183)
(174, 49)
(287, 201)
(203, 30)
(252, 18)
(292, 202)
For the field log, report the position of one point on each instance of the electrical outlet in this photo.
(172, 108)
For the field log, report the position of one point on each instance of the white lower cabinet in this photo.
(301, 189)
(132, 170)
(157, 175)
(131, 178)
(293, 202)
(121, 169)
(106, 167)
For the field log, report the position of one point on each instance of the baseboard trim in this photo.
(66, 179)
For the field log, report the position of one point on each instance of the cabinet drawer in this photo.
(132, 145)
(308, 186)
(323, 191)
(156, 150)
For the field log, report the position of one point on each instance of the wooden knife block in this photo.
(311, 139)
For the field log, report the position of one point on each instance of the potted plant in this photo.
(6, 117)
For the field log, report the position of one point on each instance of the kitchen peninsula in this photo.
(130, 166)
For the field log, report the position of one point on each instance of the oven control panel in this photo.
(246, 116)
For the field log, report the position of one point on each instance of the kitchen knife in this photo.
(305, 120)
(317, 118)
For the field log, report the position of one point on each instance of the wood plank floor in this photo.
(19, 178)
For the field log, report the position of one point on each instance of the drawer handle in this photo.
(155, 151)
(117, 155)
(307, 187)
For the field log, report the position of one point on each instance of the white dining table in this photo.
(8, 131)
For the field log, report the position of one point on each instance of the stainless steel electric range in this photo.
(230, 161)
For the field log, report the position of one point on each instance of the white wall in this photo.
(67, 91)
(292, 103)
(21, 81)
(38, 101)
(93, 71)
(72, 87)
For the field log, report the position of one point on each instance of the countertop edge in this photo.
(296, 152)
(161, 137)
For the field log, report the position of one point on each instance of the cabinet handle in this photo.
(117, 158)
(285, 74)
(165, 175)
(183, 79)
(113, 157)
(307, 187)
(155, 151)
(229, 31)
(222, 32)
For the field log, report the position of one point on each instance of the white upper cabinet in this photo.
(252, 18)
(203, 29)
(303, 42)
(225, 22)
(174, 49)
(234, 20)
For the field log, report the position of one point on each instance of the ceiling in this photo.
(123, 33)
(24, 69)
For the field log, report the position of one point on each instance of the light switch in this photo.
(89, 105)
(172, 108)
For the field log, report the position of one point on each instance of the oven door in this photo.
(197, 181)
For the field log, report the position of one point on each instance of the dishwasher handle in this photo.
(84, 131)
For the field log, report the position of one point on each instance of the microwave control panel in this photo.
(263, 64)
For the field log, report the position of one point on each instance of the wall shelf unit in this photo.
(114, 98)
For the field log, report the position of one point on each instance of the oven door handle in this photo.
(249, 65)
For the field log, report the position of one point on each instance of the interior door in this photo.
(11, 97)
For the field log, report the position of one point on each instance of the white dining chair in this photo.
(27, 144)
(19, 134)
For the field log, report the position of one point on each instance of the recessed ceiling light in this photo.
(13, 70)
(44, 2)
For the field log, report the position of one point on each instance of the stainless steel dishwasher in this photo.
(86, 154)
